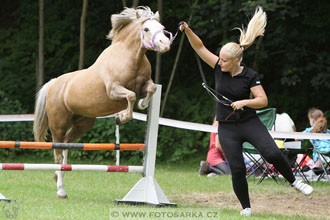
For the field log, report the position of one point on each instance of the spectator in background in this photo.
(318, 124)
(215, 163)
(284, 123)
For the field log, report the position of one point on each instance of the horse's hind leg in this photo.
(58, 133)
(64, 161)
(80, 126)
(59, 175)
(149, 88)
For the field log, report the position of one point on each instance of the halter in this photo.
(157, 32)
(148, 46)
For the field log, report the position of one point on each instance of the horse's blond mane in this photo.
(128, 15)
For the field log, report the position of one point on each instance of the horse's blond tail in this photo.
(40, 124)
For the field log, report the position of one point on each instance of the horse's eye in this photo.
(146, 29)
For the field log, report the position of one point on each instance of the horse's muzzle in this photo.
(163, 45)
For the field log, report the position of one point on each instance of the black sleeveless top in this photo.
(235, 88)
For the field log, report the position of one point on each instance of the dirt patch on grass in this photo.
(288, 204)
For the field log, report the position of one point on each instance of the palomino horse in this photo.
(69, 104)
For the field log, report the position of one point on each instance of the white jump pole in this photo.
(117, 142)
(146, 190)
(70, 167)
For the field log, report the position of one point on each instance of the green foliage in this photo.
(179, 144)
(293, 54)
(104, 132)
(10, 131)
(18, 49)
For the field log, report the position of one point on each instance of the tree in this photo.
(135, 3)
(159, 56)
(40, 69)
(175, 66)
(124, 3)
(82, 34)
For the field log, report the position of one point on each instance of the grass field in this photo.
(91, 195)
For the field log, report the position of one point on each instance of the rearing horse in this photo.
(68, 105)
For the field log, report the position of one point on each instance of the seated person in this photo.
(318, 124)
(284, 123)
(215, 163)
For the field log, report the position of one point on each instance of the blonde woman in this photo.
(238, 121)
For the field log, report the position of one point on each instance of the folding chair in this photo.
(294, 148)
(325, 163)
(267, 117)
(259, 165)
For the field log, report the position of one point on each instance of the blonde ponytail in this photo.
(320, 126)
(256, 27)
(320, 121)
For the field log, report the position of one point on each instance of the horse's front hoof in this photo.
(140, 106)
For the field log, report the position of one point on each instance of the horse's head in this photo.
(145, 23)
(153, 35)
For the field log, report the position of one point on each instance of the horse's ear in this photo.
(138, 15)
(156, 16)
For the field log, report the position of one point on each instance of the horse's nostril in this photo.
(164, 42)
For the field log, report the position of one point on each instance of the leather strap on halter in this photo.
(148, 46)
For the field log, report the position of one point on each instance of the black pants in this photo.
(220, 169)
(232, 136)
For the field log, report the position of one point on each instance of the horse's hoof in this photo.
(55, 177)
(62, 197)
(118, 122)
(140, 106)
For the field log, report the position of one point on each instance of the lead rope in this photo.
(211, 91)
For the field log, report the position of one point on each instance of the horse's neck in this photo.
(131, 40)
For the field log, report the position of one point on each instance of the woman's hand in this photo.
(259, 101)
(238, 105)
(196, 43)
(184, 26)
